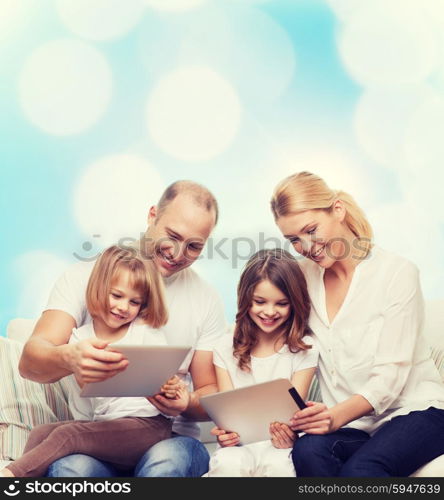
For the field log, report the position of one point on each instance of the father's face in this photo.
(179, 234)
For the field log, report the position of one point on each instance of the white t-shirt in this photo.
(374, 346)
(101, 408)
(282, 364)
(196, 315)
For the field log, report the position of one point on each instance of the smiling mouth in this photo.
(118, 316)
(167, 260)
(317, 253)
(268, 321)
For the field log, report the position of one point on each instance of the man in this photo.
(178, 228)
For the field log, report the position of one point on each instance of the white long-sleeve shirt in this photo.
(374, 346)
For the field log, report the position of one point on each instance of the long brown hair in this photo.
(144, 277)
(283, 271)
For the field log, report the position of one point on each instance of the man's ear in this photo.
(152, 214)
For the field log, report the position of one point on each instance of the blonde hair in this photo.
(144, 277)
(306, 191)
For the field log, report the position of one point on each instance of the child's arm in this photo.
(224, 383)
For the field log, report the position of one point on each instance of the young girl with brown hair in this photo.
(271, 340)
(124, 298)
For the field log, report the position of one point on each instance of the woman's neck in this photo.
(351, 256)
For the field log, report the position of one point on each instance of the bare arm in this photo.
(318, 419)
(204, 382)
(301, 380)
(224, 437)
(47, 356)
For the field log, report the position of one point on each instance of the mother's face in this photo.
(317, 234)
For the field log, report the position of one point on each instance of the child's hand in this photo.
(171, 387)
(225, 438)
(281, 435)
(173, 397)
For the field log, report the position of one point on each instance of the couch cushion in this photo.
(24, 404)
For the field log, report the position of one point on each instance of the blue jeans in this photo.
(179, 456)
(398, 448)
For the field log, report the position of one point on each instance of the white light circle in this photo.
(65, 86)
(193, 114)
(344, 9)
(423, 177)
(11, 12)
(337, 168)
(411, 231)
(381, 118)
(37, 271)
(112, 198)
(389, 43)
(260, 59)
(174, 5)
(424, 144)
(100, 19)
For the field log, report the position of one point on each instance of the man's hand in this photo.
(225, 438)
(281, 435)
(90, 362)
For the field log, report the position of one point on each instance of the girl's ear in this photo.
(339, 210)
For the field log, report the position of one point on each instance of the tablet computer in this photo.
(148, 369)
(250, 410)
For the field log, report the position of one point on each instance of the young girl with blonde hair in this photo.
(383, 399)
(271, 340)
(125, 298)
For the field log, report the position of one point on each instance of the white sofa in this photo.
(37, 403)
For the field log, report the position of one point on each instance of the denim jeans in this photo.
(179, 456)
(398, 448)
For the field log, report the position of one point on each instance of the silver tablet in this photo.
(148, 369)
(250, 410)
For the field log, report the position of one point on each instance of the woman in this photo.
(383, 399)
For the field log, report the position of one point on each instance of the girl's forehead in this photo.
(266, 287)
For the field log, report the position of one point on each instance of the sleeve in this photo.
(68, 293)
(393, 361)
(214, 324)
(223, 351)
(306, 359)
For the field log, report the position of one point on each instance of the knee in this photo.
(40, 432)
(78, 466)
(306, 449)
(181, 456)
(365, 466)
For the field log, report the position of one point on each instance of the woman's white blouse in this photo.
(374, 346)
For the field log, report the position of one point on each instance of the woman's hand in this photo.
(225, 438)
(281, 435)
(315, 419)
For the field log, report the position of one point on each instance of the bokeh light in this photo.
(193, 114)
(112, 197)
(65, 86)
(101, 19)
